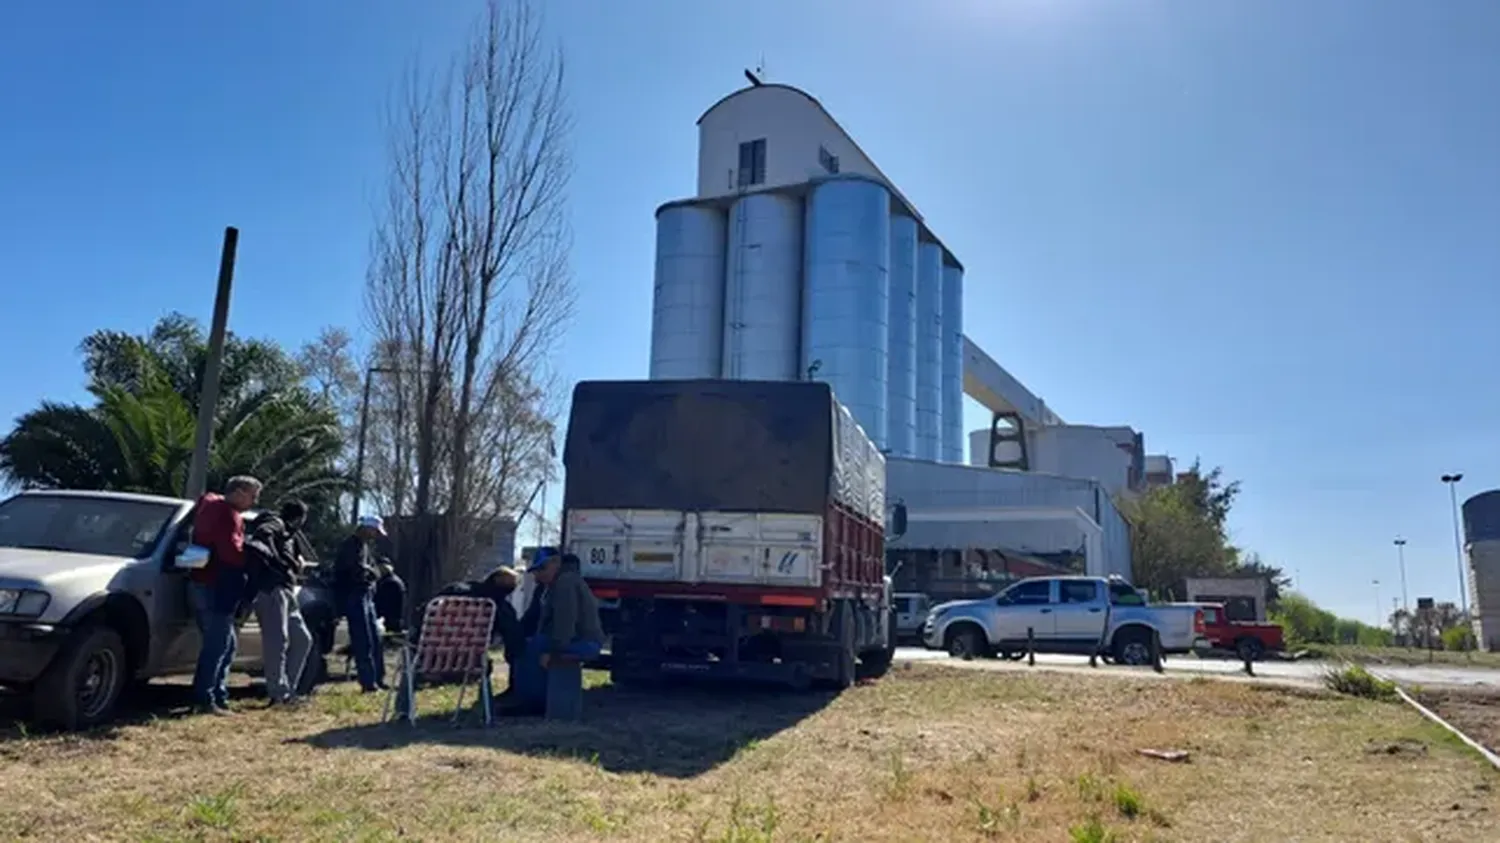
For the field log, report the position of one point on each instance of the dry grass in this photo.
(1413, 657)
(929, 753)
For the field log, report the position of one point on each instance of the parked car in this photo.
(1072, 615)
(911, 613)
(93, 598)
(1250, 640)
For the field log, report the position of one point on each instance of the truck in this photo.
(1249, 640)
(731, 530)
(93, 600)
(1073, 615)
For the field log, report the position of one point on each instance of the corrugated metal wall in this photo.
(846, 297)
(901, 370)
(763, 289)
(921, 484)
(687, 306)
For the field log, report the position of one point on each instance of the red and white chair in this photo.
(455, 639)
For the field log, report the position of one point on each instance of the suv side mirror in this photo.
(898, 521)
(192, 558)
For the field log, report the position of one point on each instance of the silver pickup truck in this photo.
(93, 598)
(1072, 615)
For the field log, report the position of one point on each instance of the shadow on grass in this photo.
(139, 705)
(676, 732)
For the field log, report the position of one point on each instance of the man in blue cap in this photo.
(568, 630)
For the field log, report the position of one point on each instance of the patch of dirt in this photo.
(1475, 713)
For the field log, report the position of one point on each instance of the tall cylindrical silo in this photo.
(953, 364)
(846, 296)
(1482, 537)
(687, 310)
(929, 351)
(763, 288)
(901, 365)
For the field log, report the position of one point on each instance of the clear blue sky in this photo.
(1265, 233)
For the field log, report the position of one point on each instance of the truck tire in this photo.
(845, 658)
(1249, 649)
(82, 686)
(1133, 647)
(966, 642)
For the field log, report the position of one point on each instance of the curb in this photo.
(1492, 758)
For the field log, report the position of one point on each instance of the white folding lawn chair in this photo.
(455, 639)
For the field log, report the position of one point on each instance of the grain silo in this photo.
(687, 308)
(1482, 540)
(901, 354)
(846, 296)
(929, 350)
(763, 288)
(952, 368)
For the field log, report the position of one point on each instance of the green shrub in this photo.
(1355, 681)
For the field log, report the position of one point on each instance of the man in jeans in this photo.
(568, 631)
(354, 577)
(275, 570)
(219, 588)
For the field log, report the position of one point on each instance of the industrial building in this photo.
(800, 259)
(1481, 515)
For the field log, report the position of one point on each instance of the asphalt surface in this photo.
(1300, 672)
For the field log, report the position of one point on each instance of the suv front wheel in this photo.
(83, 684)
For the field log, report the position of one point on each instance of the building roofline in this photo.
(889, 184)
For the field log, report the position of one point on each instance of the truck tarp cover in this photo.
(713, 445)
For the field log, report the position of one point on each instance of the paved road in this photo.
(1309, 672)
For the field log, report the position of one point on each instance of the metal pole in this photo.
(1401, 560)
(208, 396)
(359, 452)
(1458, 544)
(1376, 583)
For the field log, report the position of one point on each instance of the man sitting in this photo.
(569, 631)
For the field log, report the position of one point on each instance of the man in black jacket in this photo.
(354, 578)
(275, 564)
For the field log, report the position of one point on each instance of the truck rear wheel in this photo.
(1249, 649)
(1133, 647)
(83, 684)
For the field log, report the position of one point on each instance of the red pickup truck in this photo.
(1248, 639)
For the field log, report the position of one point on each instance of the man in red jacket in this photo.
(218, 588)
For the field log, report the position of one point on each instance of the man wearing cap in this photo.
(354, 578)
(569, 628)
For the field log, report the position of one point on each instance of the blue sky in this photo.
(1264, 233)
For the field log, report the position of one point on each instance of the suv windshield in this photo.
(100, 526)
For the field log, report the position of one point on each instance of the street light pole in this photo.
(1376, 583)
(1458, 546)
(208, 394)
(359, 452)
(1401, 561)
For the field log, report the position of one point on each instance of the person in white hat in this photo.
(354, 578)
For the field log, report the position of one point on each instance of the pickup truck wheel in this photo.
(80, 689)
(1133, 648)
(1249, 649)
(963, 643)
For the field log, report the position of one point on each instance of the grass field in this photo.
(929, 753)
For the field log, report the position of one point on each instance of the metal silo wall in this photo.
(929, 351)
(687, 310)
(901, 366)
(846, 296)
(952, 386)
(763, 288)
(1482, 540)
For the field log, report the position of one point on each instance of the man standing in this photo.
(354, 578)
(219, 588)
(276, 569)
(569, 630)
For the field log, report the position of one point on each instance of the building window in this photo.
(829, 161)
(753, 163)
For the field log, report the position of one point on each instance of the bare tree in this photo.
(469, 286)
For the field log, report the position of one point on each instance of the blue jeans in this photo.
(531, 678)
(216, 629)
(364, 640)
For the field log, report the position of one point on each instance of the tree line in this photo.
(467, 294)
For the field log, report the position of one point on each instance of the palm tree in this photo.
(138, 435)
